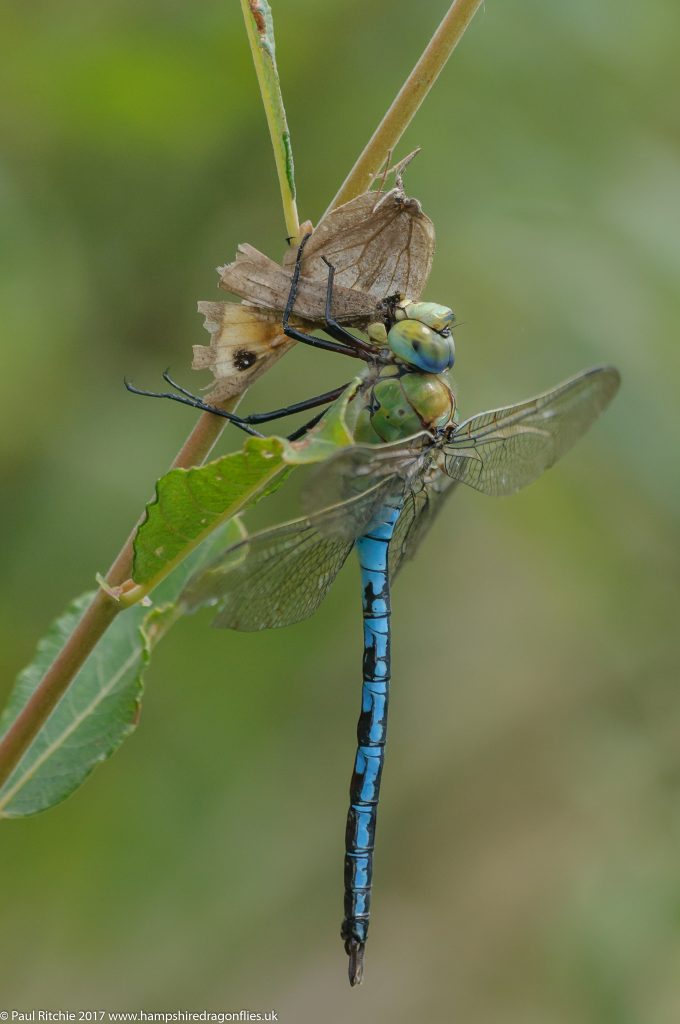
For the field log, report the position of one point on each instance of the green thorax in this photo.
(410, 392)
(395, 403)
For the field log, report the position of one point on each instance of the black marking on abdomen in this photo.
(373, 549)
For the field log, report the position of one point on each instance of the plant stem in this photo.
(96, 619)
(408, 100)
(260, 29)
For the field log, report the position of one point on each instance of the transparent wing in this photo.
(500, 451)
(422, 503)
(280, 576)
(385, 470)
(404, 471)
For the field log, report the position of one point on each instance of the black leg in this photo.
(275, 414)
(295, 279)
(328, 346)
(332, 326)
(186, 398)
(244, 422)
(309, 339)
(301, 431)
(308, 403)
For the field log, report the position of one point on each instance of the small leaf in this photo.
(331, 433)
(102, 705)
(191, 503)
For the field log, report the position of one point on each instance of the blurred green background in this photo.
(528, 868)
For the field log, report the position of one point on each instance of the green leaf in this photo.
(102, 704)
(166, 610)
(99, 710)
(191, 503)
(330, 434)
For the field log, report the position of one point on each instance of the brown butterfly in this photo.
(380, 246)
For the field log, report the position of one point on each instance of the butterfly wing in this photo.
(244, 343)
(262, 283)
(379, 245)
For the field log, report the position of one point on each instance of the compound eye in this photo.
(419, 346)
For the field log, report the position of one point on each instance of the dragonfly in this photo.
(379, 496)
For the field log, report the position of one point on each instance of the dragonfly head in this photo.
(421, 336)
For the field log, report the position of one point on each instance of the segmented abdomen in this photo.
(371, 730)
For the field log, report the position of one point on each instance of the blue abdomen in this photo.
(371, 735)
